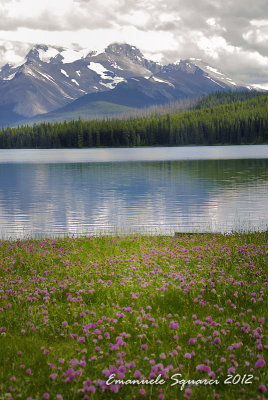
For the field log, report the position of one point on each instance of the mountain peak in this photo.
(32, 54)
(125, 49)
(51, 77)
(43, 53)
(55, 55)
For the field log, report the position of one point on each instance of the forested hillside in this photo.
(238, 122)
(221, 98)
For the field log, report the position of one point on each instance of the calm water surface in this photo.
(150, 190)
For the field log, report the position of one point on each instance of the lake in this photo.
(138, 190)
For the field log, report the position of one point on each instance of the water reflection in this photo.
(154, 197)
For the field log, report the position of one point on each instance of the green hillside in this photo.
(221, 98)
(98, 109)
(239, 122)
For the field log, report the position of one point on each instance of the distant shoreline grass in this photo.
(139, 146)
(76, 312)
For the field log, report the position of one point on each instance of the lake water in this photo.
(139, 190)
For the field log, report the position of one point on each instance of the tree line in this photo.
(213, 120)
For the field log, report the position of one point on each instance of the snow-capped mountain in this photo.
(50, 78)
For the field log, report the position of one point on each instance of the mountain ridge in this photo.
(50, 78)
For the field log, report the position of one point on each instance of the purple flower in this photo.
(203, 367)
(231, 370)
(262, 388)
(192, 341)
(260, 363)
(187, 393)
(173, 325)
(137, 374)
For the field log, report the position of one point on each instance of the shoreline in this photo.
(138, 147)
(104, 235)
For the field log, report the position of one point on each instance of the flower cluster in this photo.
(74, 312)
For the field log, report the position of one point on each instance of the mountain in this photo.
(53, 78)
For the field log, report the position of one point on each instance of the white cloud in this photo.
(261, 86)
(162, 29)
(259, 23)
(214, 46)
(258, 35)
(215, 23)
(33, 9)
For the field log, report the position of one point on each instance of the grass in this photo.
(73, 311)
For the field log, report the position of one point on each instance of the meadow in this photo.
(82, 318)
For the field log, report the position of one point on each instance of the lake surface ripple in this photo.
(138, 190)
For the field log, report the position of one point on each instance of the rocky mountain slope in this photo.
(51, 78)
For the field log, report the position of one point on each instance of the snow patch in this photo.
(99, 69)
(115, 65)
(95, 53)
(10, 77)
(109, 85)
(213, 70)
(74, 81)
(102, 72)
(231, 82)
(160, 80)
(70, 56)
(78, 73)
(68, 97)
(47, 77)
(118, 79)
(46, 55)
(260, 86)
(30, 72)
(64, 73)
(217, 83)
(115, 81)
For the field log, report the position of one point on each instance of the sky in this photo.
(231, 35)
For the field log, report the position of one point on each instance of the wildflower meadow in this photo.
(133, 317)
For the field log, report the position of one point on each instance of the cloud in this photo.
(12, 51)
(166, 30)
(257, 35)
